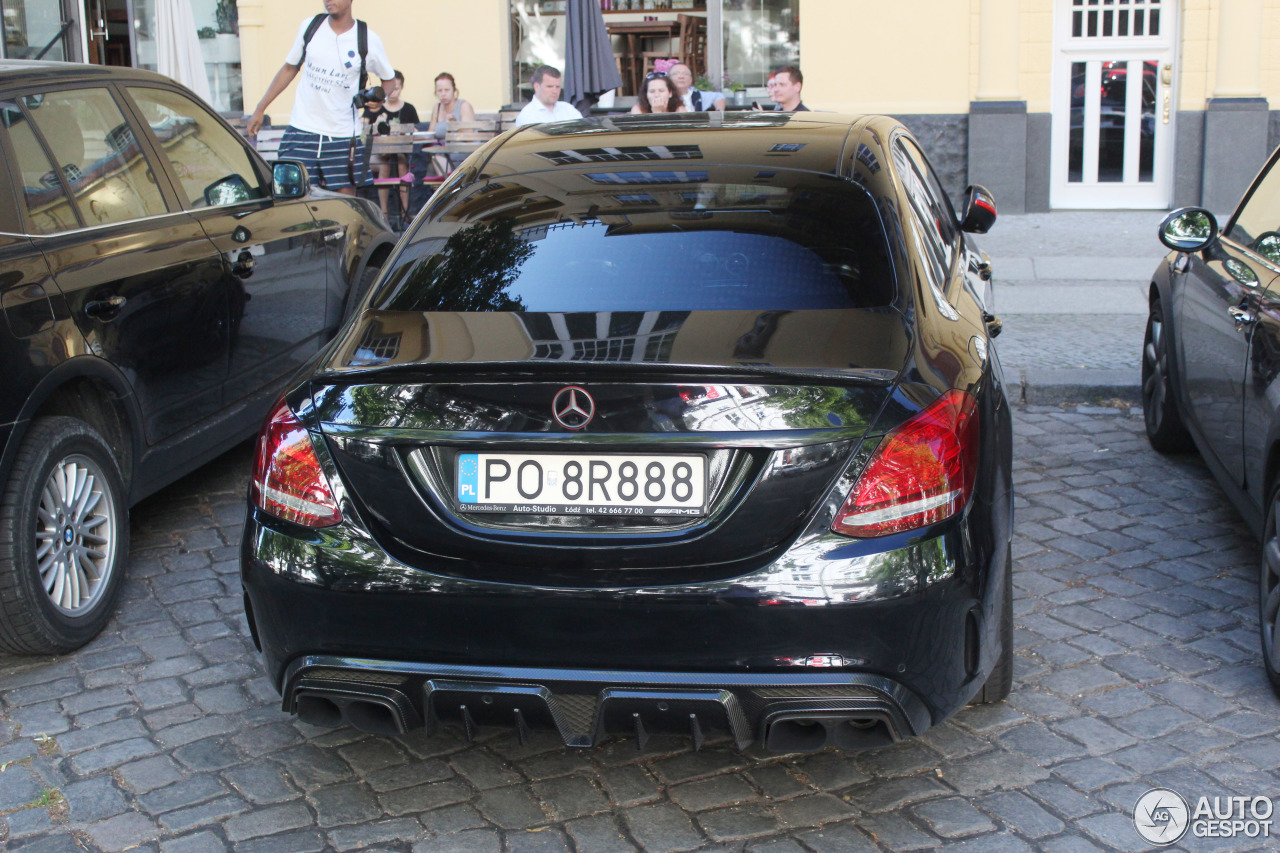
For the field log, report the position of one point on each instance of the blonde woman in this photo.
(449, 107)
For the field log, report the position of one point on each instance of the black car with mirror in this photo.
(651, 424)
(1211, 361)
(159, 283)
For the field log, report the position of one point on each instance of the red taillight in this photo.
(287, 479)
(922, 472)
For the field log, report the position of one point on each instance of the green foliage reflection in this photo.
(473, 271)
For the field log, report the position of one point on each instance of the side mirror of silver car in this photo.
(1189, 229)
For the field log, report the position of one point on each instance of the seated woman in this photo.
(380, 117)
(659, 96)
(449, 107)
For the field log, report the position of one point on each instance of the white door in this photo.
(1113, 104)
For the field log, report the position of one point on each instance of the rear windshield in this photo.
(622, 243)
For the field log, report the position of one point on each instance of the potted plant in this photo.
(228, 17)
(228, 39)
(739, 91)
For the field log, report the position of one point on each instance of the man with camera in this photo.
(334, 52)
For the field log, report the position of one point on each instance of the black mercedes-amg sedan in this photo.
(682, 423)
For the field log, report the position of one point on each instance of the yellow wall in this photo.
(857, 55)
(1035, 61)
(1271, 53)
(905, 56)
(912, 56)
(1198, 56)
(467, 38)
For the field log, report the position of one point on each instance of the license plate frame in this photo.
(543, 483)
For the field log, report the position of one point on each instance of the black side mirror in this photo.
(232, 189)
(289, 179)
(979, 210)
(1189, 229)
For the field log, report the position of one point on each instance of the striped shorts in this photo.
(326, 158)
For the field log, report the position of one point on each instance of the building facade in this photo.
(1051, 104)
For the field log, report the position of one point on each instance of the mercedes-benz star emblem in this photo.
(573, 407)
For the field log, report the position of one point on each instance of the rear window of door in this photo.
(1257, 225)
(211, 163)
(930, 211)
(46, 206)
(94, 155)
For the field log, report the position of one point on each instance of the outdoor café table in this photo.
(421, 142)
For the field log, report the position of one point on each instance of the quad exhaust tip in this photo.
(811, 731)
(375, 710)
(380, 704)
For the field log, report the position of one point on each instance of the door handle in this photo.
(104, 309)
(1241, 316)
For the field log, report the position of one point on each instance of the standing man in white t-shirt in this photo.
(324, 128)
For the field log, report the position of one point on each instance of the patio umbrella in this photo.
(178, 52)
(590, 69)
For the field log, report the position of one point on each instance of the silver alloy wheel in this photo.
(1155, 384)
(1269, 598)
(75, 535)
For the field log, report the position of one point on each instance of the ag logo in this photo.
(1161, 816)
(573, 407)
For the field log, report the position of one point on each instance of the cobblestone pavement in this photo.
(1137, 666)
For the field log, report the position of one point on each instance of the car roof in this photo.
(808, 141)
(21, 72)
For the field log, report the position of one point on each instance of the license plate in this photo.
(582, 484)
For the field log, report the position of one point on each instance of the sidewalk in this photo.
(1071, 289)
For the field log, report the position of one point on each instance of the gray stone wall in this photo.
(1039, 139)
(1188, 153)
(945, 139)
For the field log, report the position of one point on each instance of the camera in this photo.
(373, 93)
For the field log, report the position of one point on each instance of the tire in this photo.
(1165, 430)
(60, 570)
(1269, 593)
(1000, 682)
(356, 295)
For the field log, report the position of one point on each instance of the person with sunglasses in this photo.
(659, 95)
(695, 99)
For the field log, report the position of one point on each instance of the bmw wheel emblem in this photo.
(573, 408)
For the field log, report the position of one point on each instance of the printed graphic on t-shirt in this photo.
(326, 79)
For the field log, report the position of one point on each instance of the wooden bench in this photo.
(268, 142)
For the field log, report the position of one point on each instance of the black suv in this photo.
(159, 281)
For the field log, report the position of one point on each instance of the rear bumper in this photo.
(785, 713)
(867, 643)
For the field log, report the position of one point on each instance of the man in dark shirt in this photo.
(784, 87)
